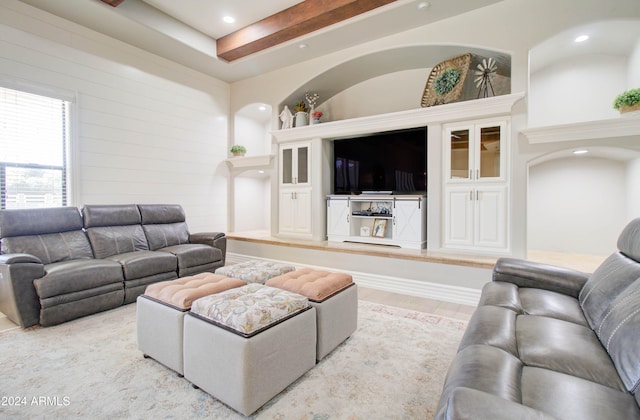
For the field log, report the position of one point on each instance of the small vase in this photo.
(629, 110)
(301, 119)
(316, 120)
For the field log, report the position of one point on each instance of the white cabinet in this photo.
(379, 219)
(475, 152)
(476, 217)
(294, 211)
(295, 164)
(338, 216)
(476, 186)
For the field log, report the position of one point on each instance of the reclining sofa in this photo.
(548, 342)
(58, 264)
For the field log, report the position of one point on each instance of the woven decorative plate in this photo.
(431, 97)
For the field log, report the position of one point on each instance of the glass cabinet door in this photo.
(303, 165)
(287, 166)
(460, 155)
(489, 159)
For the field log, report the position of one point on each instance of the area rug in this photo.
(393, 366)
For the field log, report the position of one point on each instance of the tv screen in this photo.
(390, 162)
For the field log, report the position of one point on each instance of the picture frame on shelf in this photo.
(379, 226)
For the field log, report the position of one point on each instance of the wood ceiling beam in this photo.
(298, 20)
(114, 3)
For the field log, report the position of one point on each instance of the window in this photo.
(34, 132)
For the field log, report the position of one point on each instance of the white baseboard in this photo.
(446, 293)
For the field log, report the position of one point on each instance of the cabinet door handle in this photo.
(477, 173)
(470, 174)
(477, 195)
(471, 195)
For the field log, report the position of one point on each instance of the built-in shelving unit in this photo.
(623, 126)
(457, 111)
(250, 162)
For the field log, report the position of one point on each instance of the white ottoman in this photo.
(160, 314)
(255, 271)
(335, 298)
(244, 346)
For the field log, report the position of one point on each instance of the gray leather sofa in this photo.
(548, 342)
(58, 264)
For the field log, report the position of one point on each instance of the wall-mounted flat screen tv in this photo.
(393, 162)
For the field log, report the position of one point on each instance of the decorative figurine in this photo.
(287, 118)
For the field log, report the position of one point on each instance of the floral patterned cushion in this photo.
(255, 271)
(249, 309)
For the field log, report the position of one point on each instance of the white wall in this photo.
(252, 198)
(634, 68)
(633, 190)
(147, 130)
(253, 134)
(575, 205)
(576, 90)
(391, 92)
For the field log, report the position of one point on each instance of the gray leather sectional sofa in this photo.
(547, 342)
(58, 264)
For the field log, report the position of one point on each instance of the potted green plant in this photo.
(238, 150)
(628, 101)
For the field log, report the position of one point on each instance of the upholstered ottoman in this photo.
(246, 345)
(335, 297)
(255, 271)
(160, 314)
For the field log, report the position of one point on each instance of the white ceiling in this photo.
(206, 15)
(185, 31)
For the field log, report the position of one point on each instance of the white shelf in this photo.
(250, 162)
(612, 128)
(457, 111)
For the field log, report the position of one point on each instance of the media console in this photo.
(398, 220)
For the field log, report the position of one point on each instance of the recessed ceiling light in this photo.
(262, 108)
(302, 46)
(423, 5)
(228, 19)
(580, 152)
(582, 38)
(261, 171)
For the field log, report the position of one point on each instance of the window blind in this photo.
(33, 150)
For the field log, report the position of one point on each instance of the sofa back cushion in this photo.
(619, 333)
(51, 234)
(613, 276)
(164, 225)
(114, 229)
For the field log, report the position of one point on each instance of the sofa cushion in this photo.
(50, 247)
(629, 240)
(50, 234)
(114, 229)
(619, 333)
(564, 347)
(492, 326)
(569, 397)
(140, 264)
(24, 222)
(73, 276)
(164, 224)
(192, 255)
(611, 278)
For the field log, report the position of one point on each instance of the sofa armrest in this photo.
(524, 273)
(468, 403)
(214, 239)
(18, 298)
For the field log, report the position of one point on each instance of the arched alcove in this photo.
(572, 82)
(250, 183)
(579, 199)
(385, 65)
